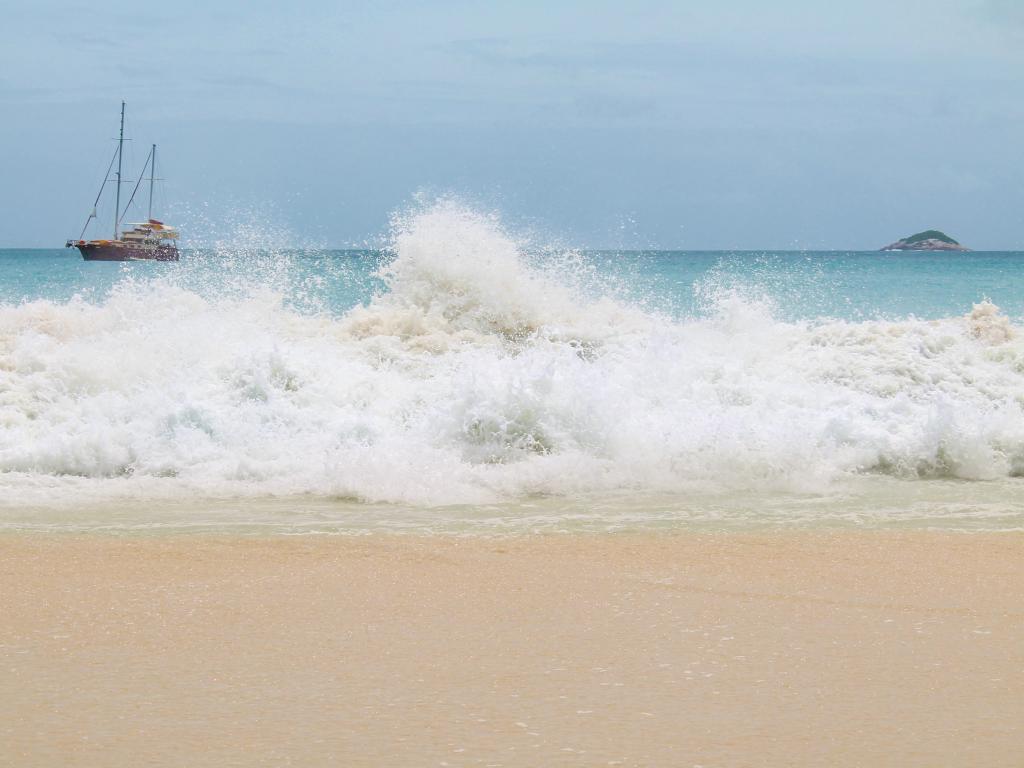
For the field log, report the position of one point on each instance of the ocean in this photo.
(465, 379)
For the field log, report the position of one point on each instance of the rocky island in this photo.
(930, 240)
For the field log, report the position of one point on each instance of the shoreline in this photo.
(860, 504)
(809, 648)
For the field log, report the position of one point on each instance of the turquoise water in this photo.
(851, 285)
(463, 381)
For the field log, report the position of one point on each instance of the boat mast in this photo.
(120, 147)
(152, 174)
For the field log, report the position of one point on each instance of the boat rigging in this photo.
(151, 240)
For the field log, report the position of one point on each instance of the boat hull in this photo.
(122, 252)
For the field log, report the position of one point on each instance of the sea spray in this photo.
(479, 373)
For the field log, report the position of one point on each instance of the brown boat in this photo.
(151, 240)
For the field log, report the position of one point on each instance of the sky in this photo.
(790, 124)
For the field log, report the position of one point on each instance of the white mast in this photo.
(117, 199)
(152, 175)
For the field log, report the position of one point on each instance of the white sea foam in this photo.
(477, 377)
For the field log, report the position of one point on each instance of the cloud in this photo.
(604, 56)
(1005, 16)
(241, 81)
(605, 106)
(86, 40)
(1005, 11)
(264, 52)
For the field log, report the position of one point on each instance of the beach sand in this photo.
(873, 648)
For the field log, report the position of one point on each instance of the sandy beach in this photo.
(873, 648)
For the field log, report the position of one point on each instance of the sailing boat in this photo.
(150, 240)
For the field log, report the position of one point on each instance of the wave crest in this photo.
(478, 375)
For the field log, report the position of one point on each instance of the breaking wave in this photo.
(481, 375)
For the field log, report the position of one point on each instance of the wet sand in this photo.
(839, 649)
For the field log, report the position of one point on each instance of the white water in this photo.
(478, 379)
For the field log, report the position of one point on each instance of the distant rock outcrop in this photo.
(930, 240)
